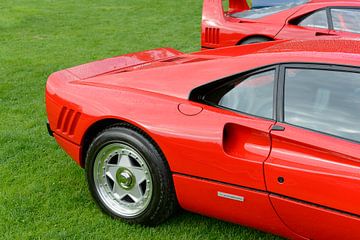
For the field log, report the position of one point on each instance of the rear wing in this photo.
(213, 9)
(238, 5)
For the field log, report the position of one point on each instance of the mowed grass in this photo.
(43, 193)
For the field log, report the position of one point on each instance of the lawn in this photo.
(43, 194)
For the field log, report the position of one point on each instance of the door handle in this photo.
(277, 128)
(319, 34)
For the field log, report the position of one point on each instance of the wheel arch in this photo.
(255, 36)
(100, 125)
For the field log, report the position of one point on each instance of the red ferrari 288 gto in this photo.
(264, 135)
(277, 20)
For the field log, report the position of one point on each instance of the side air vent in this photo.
(212, 35)
(68, 120)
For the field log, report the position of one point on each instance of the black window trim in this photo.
(329, 18)
(312, 66)
(198, 94)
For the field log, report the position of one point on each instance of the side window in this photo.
(323, 100)
(316, 20)
(346, 20)
(252, 95)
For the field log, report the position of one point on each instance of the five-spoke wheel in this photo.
(123, 179)
(128, 176)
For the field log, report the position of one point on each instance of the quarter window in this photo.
(347, 20)
(316, 20)
(325, 101)
(252, 95)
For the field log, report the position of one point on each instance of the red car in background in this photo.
(297, 19)
(265, 135)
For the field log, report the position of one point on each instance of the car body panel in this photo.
(290, 31)
(247, 207)
(201, 146)
(220, 29)
(315, 222)
(210, 147)
(201, 149)
(314, 165)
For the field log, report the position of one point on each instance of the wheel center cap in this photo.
(125, 178)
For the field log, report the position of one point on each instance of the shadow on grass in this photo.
(202, 227)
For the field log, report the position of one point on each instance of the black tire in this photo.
(162, 203)
(255, 40)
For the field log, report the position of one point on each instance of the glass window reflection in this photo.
(325, 101)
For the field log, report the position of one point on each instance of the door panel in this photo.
(315, 168)
(234, 204)
(316, 222)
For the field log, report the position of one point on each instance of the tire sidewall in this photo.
(152, 158)
(255, 40)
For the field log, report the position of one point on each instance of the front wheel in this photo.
(128, 176)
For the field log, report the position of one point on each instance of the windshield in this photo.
(256, 13)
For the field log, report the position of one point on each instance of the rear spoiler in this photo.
(122, 62)
(213, 9)
(238, 5)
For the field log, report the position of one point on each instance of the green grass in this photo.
(43, 194)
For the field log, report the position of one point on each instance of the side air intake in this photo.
(67, 121)
(212, 35)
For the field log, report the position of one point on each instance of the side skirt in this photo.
(234, 204)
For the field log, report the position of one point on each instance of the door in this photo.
(313, 172)
(221, 173)
(345, 22)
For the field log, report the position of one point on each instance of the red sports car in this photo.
(264, 135)
(297, 19)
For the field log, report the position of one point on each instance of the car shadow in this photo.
(197, 225)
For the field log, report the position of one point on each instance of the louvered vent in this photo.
(212, 35)
(68, 120)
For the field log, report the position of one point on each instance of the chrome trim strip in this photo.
(231, 196)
